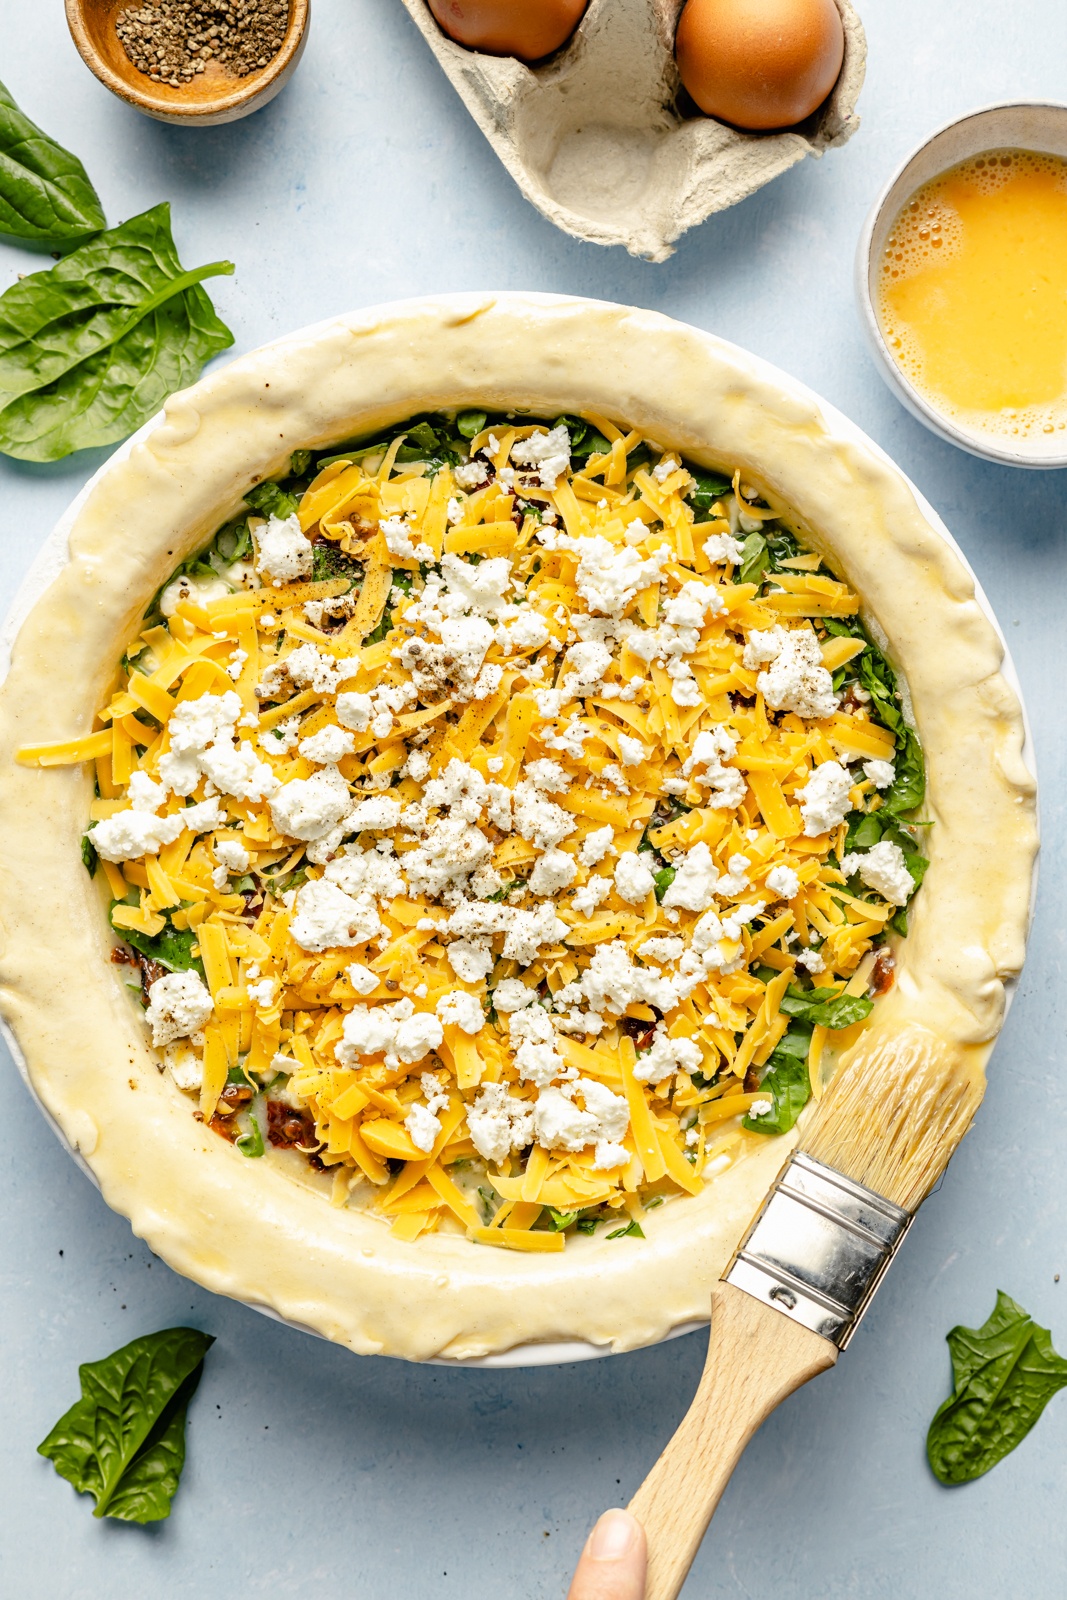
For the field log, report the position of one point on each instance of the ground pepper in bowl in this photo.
(173, 41)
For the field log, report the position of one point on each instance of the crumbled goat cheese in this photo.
(884, 869)
(663, 470)
(547, 776)
(783, 882)
(327, 917)
(178, 1004)
(560, 1125)
(362, 979)
(796, 679)
(283, 553)
(881, 773)
(529, 631)
(555, 870)
(536, 1058)
(417, 765)
(539, 821)
(328, 746)
(633, 879)
(812, 960)
(511, 994)
(471, 475)
(695, 881)
(711, 748)
(608, 576)
(421, 1124)
(632, 751)
(318, 669)
(549, 453)
(236, 661)
(595, 846)
(591, 894)
(499, 1122)
(283, 736)
(690, 608)
(463, 1009)
(685, 690)
(470, 961)
(662, 949)
(379, 815)
(611, 982)
(402, 1033)
(263, 993)
(722, 547)
(372, 872)
(824, 802)
(201, 734)
(355, 711)
(735, 880)
(667, 1055)
(232, 855)
(760, 1108)
(451, 849)
(129, 834)
(307, 808)
(584, 665)
(397, 535)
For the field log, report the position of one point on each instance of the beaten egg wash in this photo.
(972, 293)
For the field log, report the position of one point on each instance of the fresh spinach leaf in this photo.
(90, 858)
(663, 880)
(123, 1442)
(879, 680)
(91, 348)
(558, 1221)
(251, 1143)
(469, 424)
(1004, 1374)
(269, 499)
(172, 947)
(300, 463)
(45, 193)
(707, 488)
(328, 560)
(633, 1230)
(826, 1008)
(788, 1087)
(754, 559)
(585, 440)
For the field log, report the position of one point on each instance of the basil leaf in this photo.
(123, 1442)
(92, 348)
(788, 1086)
(1004, 1374)
(825, 1007)
(45, 193)
(172, 947)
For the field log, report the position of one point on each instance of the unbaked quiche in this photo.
(504, 811)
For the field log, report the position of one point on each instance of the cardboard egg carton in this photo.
(595, 141)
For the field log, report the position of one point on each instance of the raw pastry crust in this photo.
(254, 1229)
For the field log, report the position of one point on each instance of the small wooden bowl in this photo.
(212, 97)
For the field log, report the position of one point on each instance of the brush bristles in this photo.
(895, 1112)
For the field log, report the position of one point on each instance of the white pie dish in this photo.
(560, 351)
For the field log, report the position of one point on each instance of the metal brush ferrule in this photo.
(819, 1248)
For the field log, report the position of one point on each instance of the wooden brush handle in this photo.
(756, 1356)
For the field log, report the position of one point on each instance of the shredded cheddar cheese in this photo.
(510, 832)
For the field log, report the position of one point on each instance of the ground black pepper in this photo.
(172, 41)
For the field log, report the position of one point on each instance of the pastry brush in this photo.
(805, 1272)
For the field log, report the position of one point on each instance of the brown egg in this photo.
(528, 29)
(760, 63)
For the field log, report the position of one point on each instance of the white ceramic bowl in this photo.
(1018, 124)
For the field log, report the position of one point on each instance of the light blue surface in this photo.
(313, 1472)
